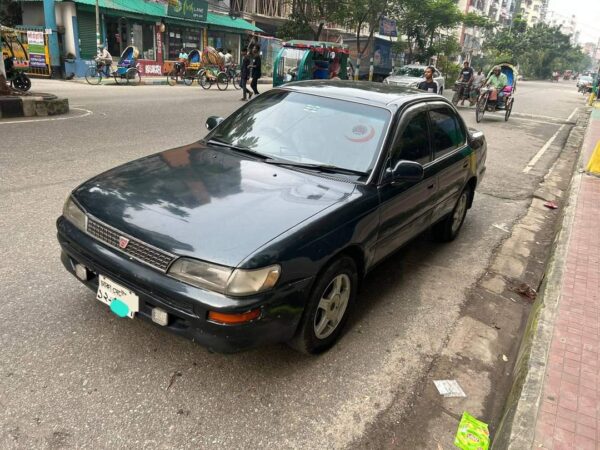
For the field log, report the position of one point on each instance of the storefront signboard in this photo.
(37, 48)
(188, 9)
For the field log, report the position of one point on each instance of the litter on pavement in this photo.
(551, 205)
(472, 434)
(449, 388)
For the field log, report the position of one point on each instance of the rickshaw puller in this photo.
(497, 81)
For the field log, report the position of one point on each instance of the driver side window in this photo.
(413, 142)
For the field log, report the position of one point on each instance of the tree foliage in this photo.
(308, 18)
(539, 50)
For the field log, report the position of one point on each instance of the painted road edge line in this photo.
(546, 146)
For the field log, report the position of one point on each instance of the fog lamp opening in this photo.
(233, 318)
(82, 272)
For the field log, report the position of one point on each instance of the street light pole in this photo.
(97, 25)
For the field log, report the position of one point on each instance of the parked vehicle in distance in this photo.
(411, 75)
(262, 231)
(584, 84)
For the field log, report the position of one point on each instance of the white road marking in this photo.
(87, 112)
(546, 146)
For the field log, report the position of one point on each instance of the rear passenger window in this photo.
(446, 132)
(413, 144)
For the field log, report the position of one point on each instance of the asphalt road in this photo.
(74, 375)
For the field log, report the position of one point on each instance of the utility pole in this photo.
(52, 33)
(97, 25)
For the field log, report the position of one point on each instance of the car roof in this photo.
(367, 92)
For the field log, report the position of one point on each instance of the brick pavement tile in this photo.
(569, 404)
(565, 424)
(549, 406)
(564, 436)
(588, 432)
(584, 443)
(544, 438)
(559, 445)
(547, 418)
(587, 421)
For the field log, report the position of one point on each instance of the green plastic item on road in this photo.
(119, 308)
(472, 434)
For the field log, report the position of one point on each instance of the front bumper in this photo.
(187, 306)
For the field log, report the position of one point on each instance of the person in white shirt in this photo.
(228, 58)
(105, 58)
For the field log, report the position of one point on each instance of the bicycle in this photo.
(95, 73)
(177, 73)
(234, 76)
(213, 74)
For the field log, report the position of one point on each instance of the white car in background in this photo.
(411, 75)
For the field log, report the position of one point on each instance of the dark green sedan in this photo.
(262, 231)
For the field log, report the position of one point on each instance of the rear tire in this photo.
(327, 308)
(93, 76)
(237, 81)
(448, 228)
(133, 76)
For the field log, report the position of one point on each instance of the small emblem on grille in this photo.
(123, 242)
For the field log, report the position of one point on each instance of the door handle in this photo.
(465, 165)
(430, 186)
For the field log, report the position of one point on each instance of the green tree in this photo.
(308, 18)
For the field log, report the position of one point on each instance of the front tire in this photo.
(328, 306)
(448, 228)
(222, 81)
(509, 107)
(480, 108)
(172, 77)
(93, 76)
(455, 98)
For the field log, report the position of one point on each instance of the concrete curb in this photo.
(517, 430)
(32, 105)
(155, 81)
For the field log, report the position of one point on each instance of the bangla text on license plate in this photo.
(108, 290)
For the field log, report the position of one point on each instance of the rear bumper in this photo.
(188, 307)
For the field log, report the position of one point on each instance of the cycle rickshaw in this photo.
(484, 104)
(127, 71)
(186, 70)
(212, 70)
(15, 59)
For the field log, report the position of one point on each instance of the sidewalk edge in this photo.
(533, 352)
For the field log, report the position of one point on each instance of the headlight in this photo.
(223, 279)
(74, 214)
(201, 274)
(244, 282)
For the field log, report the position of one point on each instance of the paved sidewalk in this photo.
(569, 416)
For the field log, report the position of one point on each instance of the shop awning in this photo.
(132, 6)
(222, 20)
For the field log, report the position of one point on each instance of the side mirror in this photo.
(213, 121)
(476, 138)
(407, 171)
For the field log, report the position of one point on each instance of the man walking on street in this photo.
(429, 85)
(256, 69)
(245, 74)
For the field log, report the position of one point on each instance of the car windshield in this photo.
(417, 72)
(304, 128)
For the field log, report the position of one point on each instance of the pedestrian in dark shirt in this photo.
(256, 69)
(245, 74)
(429, 85)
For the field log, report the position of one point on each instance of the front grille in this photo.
(136, 249)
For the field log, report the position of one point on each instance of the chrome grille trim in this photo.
(136, 249)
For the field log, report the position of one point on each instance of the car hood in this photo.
(210, 203)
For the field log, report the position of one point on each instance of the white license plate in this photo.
(122, 301)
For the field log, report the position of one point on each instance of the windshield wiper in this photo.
(319, 167)
(237, 148)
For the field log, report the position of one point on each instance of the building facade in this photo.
(158, 29)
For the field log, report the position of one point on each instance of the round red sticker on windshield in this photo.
(361, 133)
